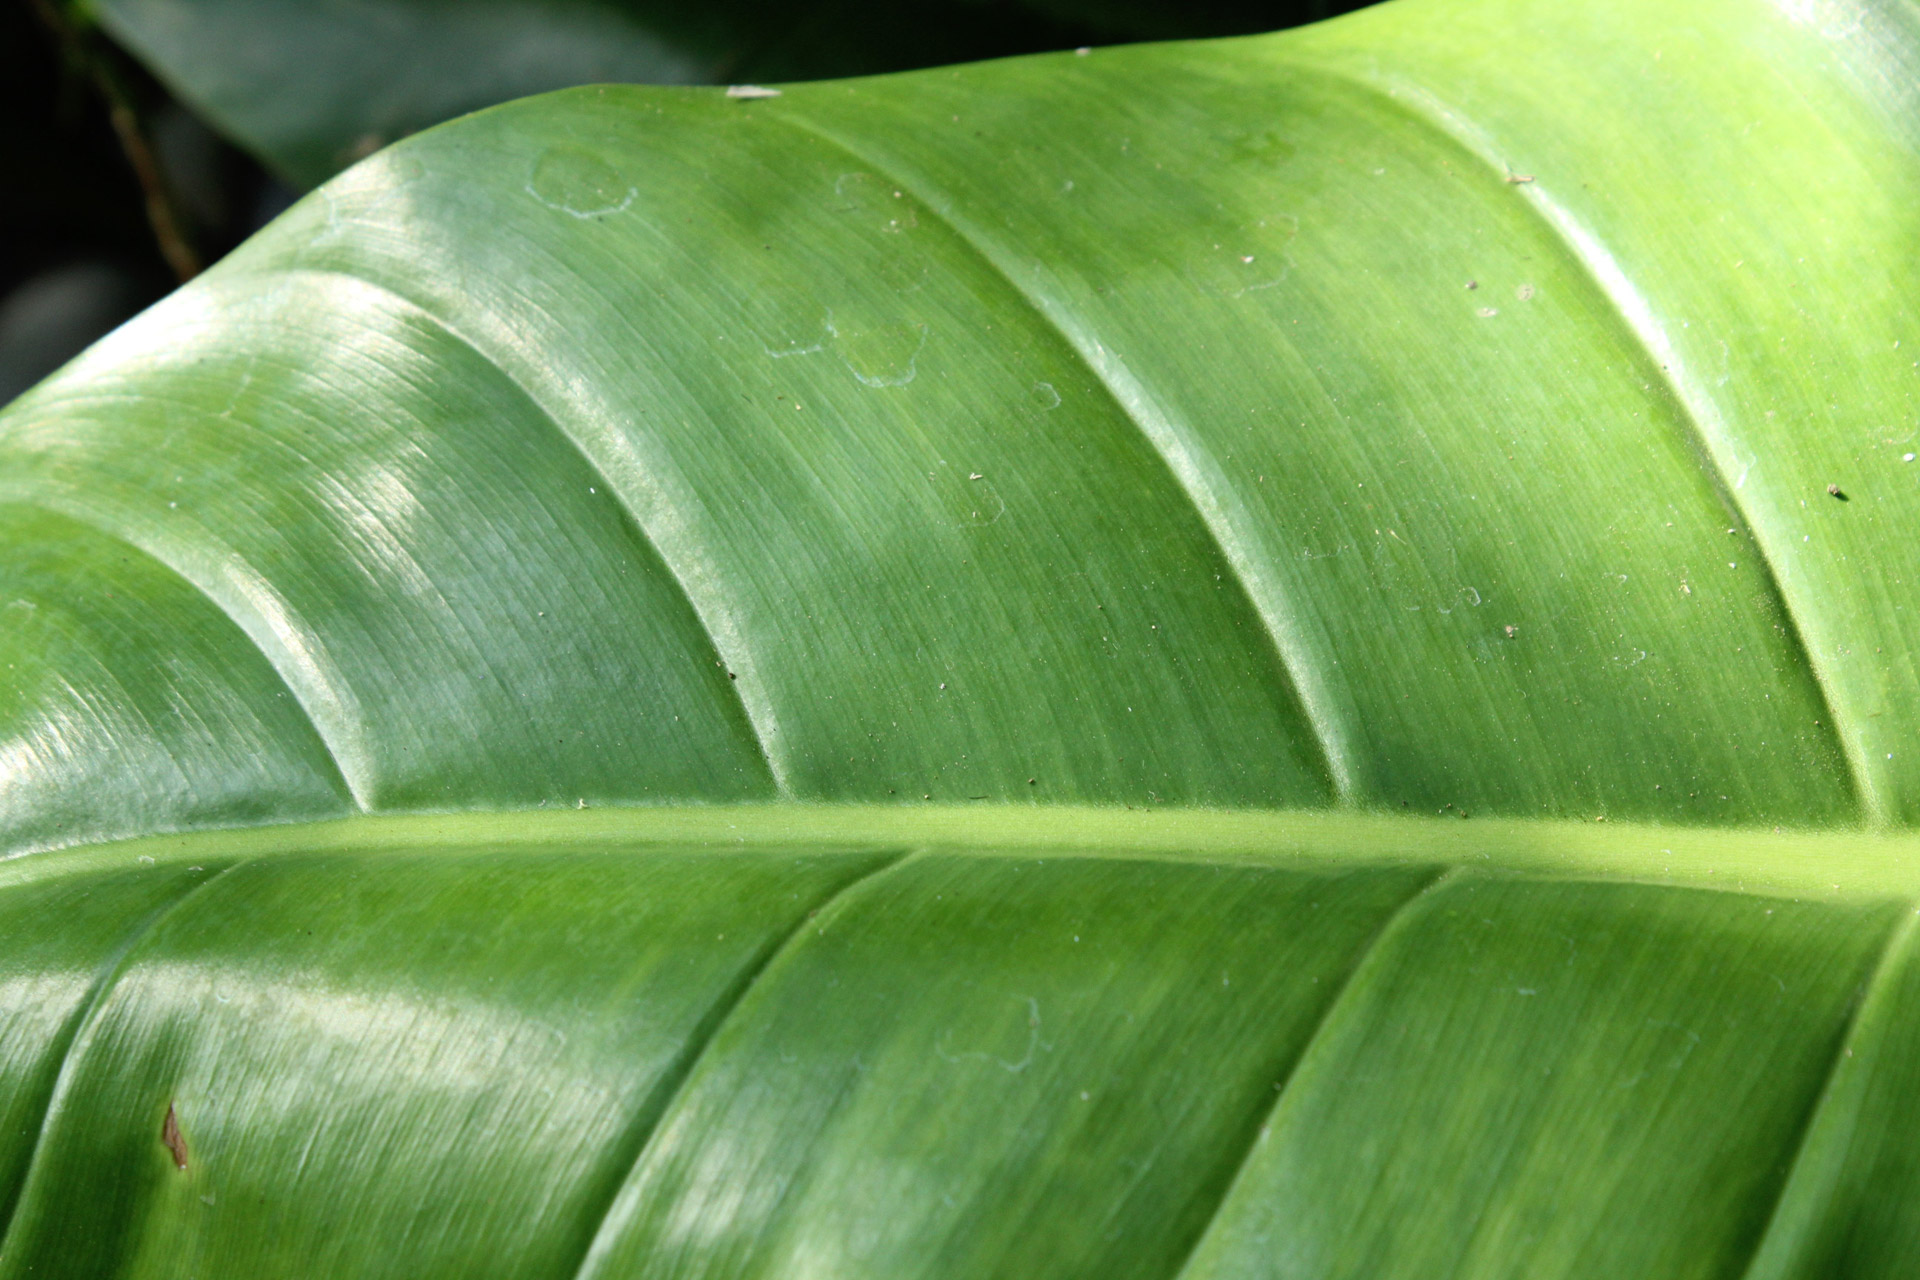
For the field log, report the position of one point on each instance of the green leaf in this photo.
(885, 681)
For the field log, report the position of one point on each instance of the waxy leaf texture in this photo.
(1288, 657)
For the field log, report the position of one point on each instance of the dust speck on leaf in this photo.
(751, 91)
(1835, 491)
(1487, 313)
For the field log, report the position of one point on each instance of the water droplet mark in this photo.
(1048, 399)
(579, 184)
(884, 355)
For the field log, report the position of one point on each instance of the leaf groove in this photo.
(337, 755)
(1190, 464)
(1262, 1123)
(760, 721)
(1700, 416)
(660, 1101)
(105, 977)
(1899, 940)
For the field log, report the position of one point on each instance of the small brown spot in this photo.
(174, 1140)
(1834, 489)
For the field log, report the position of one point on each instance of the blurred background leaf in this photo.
(311, 87)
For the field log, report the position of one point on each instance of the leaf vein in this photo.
(1250, 1142)
(755, 707)
(653, 1111)
(1189, 462)
(337, 755)
(105, 976)
(1700, 415)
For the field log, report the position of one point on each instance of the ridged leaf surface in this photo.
(1275, 658)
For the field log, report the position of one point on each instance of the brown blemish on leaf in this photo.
(175, 1141)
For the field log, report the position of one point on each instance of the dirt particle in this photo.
(1834, 491)
(173, 1139)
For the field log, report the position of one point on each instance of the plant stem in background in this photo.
(85, 52)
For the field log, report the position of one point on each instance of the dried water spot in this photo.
(872, 198)
(1524, 292)
(1265, 146)
(885, 355)
(1487, 313)
(579, 184)
(1045, 396)
(174, 1141)
(1007, 1042)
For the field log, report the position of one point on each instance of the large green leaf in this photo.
(939, 632)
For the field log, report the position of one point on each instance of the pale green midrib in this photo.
(1307, 685)
(1836, 864)
(1263, 1122)
(1417, 104)
(105, 979)
(1899, 939)
(342, 783)
(710, 1026)
(736, 663)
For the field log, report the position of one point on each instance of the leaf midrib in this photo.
(1838, 864)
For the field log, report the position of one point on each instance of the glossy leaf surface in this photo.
(1024, 567)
